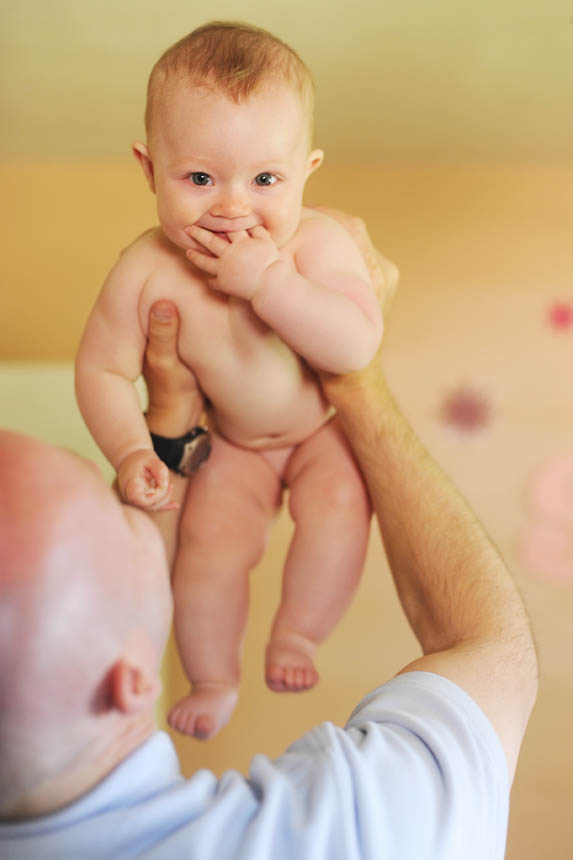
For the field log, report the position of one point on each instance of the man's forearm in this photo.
(451, 581)
(455, 590)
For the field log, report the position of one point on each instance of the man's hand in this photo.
(175, 400)
(235, 262)
(144, 481)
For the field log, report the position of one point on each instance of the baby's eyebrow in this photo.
(188, 163)
(271, 165)
(197, 162)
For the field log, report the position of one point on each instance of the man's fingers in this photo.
(163, 330)
(169, 381)
(163, 327)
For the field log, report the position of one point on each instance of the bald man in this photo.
(422, 769)
(85, 609)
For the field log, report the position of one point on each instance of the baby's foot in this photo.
(205, 711)
(289, 666)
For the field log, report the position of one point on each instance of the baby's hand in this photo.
(144, 481)
(236, 264)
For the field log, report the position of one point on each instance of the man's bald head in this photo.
(83, 584)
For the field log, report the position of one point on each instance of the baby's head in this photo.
(236, 60)
(229, 130)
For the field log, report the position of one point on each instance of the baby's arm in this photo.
(108, 362)
(322, 305)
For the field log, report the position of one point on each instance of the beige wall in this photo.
(483, 250)
(417, 80)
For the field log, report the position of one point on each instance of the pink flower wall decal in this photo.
(547, 550)
(546, 546)
(560, 316)
(465, 410)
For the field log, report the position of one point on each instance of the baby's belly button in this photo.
(270, 440)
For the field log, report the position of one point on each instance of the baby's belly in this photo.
(260, 394)
(261, 410)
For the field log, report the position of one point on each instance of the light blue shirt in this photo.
(417, 774)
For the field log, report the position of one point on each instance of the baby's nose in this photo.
(232, 203)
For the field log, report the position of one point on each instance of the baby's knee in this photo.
(342, 495)
(348, 495)
(231, 541)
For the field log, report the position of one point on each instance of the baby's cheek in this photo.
(283, 225)
(174, 216)
(175, 231)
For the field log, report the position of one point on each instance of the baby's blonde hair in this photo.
(236, 59)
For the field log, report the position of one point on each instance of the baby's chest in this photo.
(218, 333)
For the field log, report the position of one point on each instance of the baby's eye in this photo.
(199, 178)
(265, 179)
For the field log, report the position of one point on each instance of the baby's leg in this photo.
(223, 531)
(331, 508)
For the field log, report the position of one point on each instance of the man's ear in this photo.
(315, 159)
(132, 689)
(141, 152)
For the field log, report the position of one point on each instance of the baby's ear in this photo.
(315, 159)
(141, 152)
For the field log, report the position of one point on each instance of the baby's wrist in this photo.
(126, 458)
(274, 272)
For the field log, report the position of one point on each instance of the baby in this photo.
(266, 289)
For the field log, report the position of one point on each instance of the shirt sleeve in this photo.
(418, 773)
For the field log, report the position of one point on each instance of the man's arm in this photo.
(452, 583)
(454, 588)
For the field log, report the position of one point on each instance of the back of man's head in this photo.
(80, 586)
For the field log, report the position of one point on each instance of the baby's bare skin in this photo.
(260, 393)
(264, 289)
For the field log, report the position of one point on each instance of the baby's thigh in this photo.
(231, 499)
(323, 471)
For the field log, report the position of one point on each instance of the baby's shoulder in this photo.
(134, 267)
(318, 226)
(148, 254)
(320, 240)
(146, 250)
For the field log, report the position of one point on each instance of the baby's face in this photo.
(227, 166)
